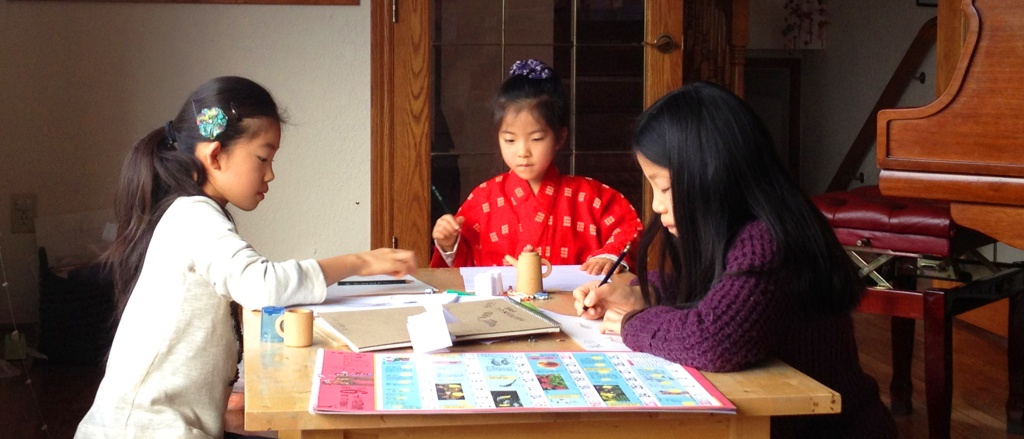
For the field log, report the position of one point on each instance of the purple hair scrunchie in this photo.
(530, 68)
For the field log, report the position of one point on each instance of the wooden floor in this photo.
(979, 363)
(979, 378)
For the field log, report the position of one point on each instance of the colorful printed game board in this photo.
(366, 383)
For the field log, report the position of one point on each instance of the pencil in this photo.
(440, 200)
(615, 266)
(374, 282)
(611, 271)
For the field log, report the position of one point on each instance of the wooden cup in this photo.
(529, 275)
(296, 327)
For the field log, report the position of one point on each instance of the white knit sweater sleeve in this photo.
(235, 269)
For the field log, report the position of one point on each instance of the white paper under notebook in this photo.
(586, 333)
(562, 278)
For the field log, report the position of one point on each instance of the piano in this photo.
(968, 145)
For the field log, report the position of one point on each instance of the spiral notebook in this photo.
(378, 329)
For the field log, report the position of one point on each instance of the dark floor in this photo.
(64, 393)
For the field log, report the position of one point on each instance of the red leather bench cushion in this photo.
(897, 242)
(909, 225)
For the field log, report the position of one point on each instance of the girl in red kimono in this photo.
(569, 220)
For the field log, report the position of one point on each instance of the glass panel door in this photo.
(595, 45)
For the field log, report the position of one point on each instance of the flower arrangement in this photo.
(806, 24)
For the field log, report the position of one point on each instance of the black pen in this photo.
(374, 282)
(440, 200)
(608, 276)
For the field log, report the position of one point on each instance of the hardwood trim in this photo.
(999, 222)
(938, 363)
(906, 304)
(950, 42)
(953, 187)
(381, 123)
(400, 126)
(740, 40)
(410, 176)
(663, 73)
(890, 117)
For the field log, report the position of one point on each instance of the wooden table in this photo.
(278, 381)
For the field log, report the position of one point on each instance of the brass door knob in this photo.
(664, 43)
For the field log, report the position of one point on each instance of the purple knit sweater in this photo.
(745, 319)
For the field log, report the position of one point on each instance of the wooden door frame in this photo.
(381, 92)
(661, 18)
(400, 72)
(399, 39)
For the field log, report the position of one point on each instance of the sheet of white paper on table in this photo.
(429, 331)
(562, 277)
(586, 334)
(362, 302)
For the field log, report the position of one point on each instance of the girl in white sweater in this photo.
(179, 265)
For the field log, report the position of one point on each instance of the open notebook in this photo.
(377, 329)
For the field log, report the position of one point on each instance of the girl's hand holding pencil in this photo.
(610, 301)
(446, 231)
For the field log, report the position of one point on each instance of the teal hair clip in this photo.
(211, 122)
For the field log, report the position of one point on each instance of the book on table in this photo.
(385, 328)
(489, 382)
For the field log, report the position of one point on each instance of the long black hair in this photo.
(724, 173)
(162, 166)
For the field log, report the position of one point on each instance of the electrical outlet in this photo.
(23, 213)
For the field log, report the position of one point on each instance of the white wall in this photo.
(866, 41)
(83, 81)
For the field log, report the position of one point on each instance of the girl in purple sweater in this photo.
(745, 267)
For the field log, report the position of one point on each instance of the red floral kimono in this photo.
(568, 221)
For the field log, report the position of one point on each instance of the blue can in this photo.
(268, 332)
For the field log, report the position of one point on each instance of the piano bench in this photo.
(898, 242)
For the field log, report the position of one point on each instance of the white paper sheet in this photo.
(585, 333)
(429, 331)
(562, 278)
